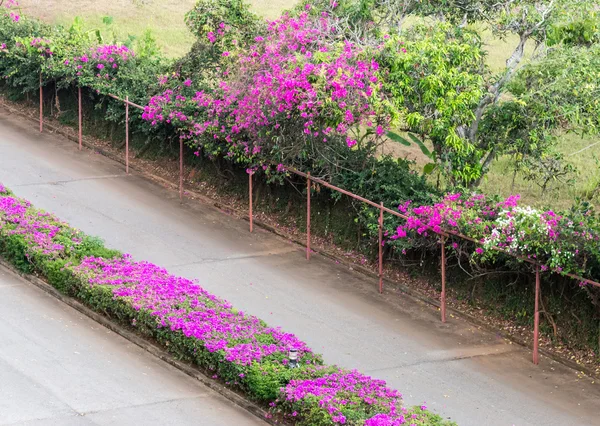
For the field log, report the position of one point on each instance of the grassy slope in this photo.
(166, 20)
(165, 17)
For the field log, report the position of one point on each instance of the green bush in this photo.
(14, 249)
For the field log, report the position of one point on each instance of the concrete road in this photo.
(474, 377)
(58, 367)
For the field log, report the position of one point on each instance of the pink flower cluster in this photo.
(293, 74)
(42, 45)
(181, 305)
(212, 36)
(153, 112)
(443, 215)
(555, 240)
(349, 391)
(12, 3)
(109, 53)
(279, 78)
(102, 62)
(416, 416)
(39, 229)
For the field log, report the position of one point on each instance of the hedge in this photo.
(237, 348)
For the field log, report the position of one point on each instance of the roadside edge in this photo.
(144, 344)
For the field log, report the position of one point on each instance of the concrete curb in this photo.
(364, 271)
(144, 344)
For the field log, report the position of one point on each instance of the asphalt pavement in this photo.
(60, 368)
(472, 376)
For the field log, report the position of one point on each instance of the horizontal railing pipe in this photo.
(380, 206)
(443, 232)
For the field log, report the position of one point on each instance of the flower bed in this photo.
(235, 347)
(562, 242)
(349, 397)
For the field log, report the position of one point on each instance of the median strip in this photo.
(267, 365)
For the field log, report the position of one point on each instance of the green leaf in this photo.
(397, 138)
(429, 168)
(421, 145)
(107, 20)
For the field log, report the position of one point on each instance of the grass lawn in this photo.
(559, 196)
(165, 19)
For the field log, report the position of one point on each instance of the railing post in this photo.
(250, 198)
(41, 105)
(308, 216)
(381, 249)
(443, 296)
(536, 319)
(180, 169)
(127, 134)
(80, 119)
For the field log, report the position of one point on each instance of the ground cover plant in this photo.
(233, 346)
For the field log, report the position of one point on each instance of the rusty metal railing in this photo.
(444, 234)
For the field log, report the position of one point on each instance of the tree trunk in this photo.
(517, 55)
(512, 185)
(494, 91)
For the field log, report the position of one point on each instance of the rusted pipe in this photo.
(250, 199)
(80, 120)
(443, 295)
(127, 135)
(308, 184)
(41, 105)
(180, 169)
(536, 318)
(381, 249)
(126, 101)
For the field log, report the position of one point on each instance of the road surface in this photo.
(58, 367)
(471, 376)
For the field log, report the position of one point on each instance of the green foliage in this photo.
(429, 167)
(219, 26)
(584, 32)
(562, 89)
(559, 91)
(14, 248)
(57, 274)
(436, 80)
(265, 380)
(93, 246)
(31, 48)
(212, 16)
(444, 93)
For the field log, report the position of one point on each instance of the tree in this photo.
(452, 99)
(292, 97)
(219, 26)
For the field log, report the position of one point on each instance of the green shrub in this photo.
(14, 249)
